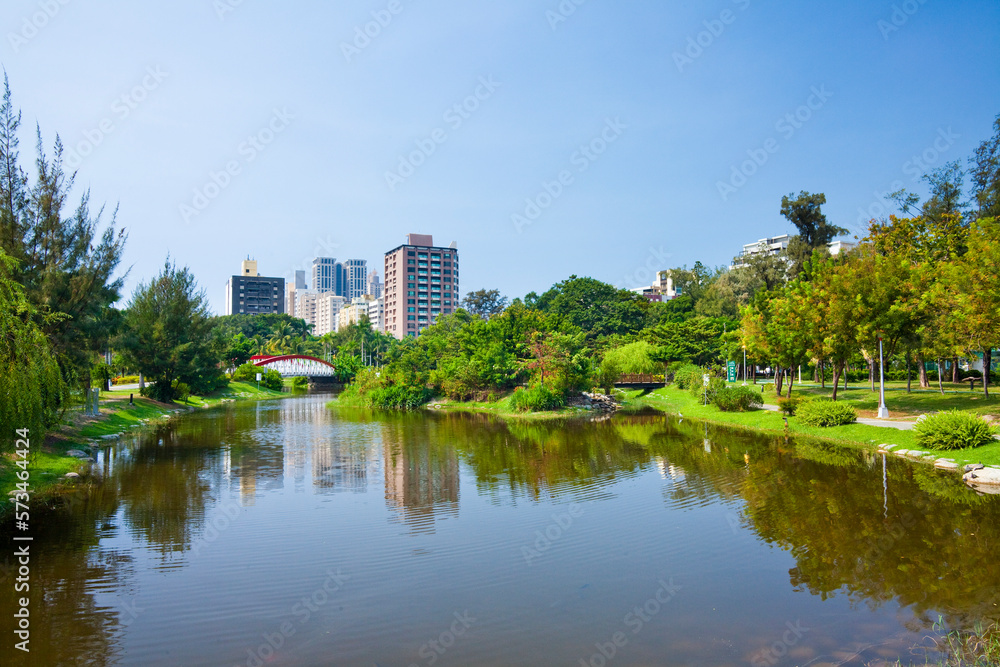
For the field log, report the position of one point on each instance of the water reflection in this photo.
(859, 527)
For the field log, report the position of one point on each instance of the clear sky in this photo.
(227, 128)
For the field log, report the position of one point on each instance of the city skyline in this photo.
(628, 137)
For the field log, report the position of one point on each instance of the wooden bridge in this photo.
(641, 381)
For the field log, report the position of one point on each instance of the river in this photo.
(292, 533)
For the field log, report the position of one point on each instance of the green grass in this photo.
(860, 436)
(902, 404)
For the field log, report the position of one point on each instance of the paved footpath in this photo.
(902, 426)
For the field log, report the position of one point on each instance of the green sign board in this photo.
(731, 368)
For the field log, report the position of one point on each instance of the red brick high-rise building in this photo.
(421, 283)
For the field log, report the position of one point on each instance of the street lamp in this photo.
(883, 412)
(744, 365)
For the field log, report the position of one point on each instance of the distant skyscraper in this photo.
(357, 278)
(300, 279)
(329, 275)
(252, 294)
(374, 284)
(421, 283)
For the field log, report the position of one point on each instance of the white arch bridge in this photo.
(296, 365)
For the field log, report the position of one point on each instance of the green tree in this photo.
(32, 390)
(985, 171)
(815, 233)
(485, 303)
(596, 308)
(168, 334)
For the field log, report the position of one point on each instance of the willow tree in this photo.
(31, 386)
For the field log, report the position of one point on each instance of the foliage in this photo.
(789, 405)
(64, 263)
(707, 393)
(737, 399)
(953, 430)
(271, 379)
(31, 387)
(596, 308)
(698, 340)
(633, 358)
(300, 383)
(535, 399)
(688, 376)
(485, 303)
(246, 373)
(821, 412)
(985, 171)
(168, 335)
(398, 397)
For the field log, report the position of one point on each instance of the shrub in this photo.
(826, 413)
(271, 379)
(181, 390)
(300, 383)
(246, 373)
(953, 430)
(737, 399)
(789, 405)
(703, 393)
(398, 397)
(535, 399)
(687, 375)
(126, 379)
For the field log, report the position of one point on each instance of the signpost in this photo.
(731, 371)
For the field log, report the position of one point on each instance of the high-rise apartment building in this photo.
(421, 283)
(253, 294)
(291, 289)
(328, 306)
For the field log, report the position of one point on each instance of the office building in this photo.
(328, 306)
(421, 283)
(329, 275)
(253, 294)
(374, 284)
(356, 272)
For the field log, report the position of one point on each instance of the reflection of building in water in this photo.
(420, 483)
(340, 466)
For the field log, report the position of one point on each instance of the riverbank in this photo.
(68, 449)
(858, 436)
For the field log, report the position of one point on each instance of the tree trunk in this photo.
(940, 372)
(954, 370)
(871, 373)
(791, 381)
(987, 362)
(847, 367)
(924, 382)
(822, 374)
(908, 390)
(778, 379)
(836, 378)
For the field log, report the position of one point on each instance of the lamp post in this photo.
(883, 412)
(744, 365)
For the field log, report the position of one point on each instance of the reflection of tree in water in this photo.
(67, 626)
(928, 542)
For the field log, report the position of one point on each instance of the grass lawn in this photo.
(860, 436)
(903, 404)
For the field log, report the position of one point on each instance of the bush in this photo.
(398, 397)
(246, 373)
(953, 430)
(300, 383)
(271, 379)
(126, 379)
(703, 393)
(737, 399)
(535, 399)
(687, 375)
(826, 413)
(181, 390)
(789, 405)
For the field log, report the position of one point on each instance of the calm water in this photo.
(287, 533)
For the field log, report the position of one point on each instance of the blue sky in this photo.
(283, 131)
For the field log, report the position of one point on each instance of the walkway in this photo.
(902, 426)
